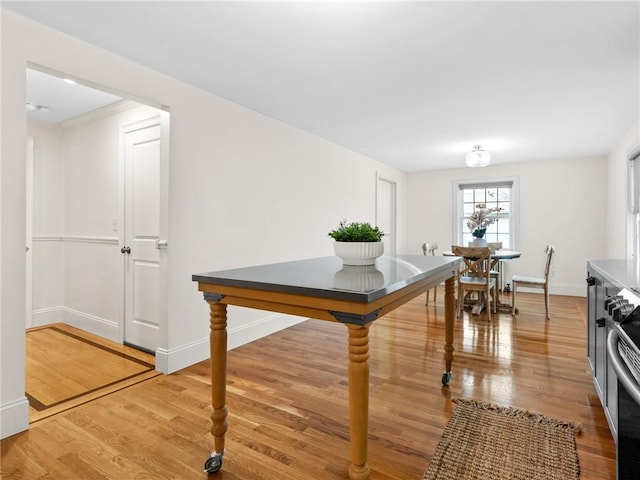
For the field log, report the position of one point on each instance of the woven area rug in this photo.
(489, 442)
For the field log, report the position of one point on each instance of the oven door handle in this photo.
(618, 364)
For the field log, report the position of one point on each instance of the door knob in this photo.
(125, 250)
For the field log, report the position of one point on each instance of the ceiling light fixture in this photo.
(478, 157)
(32, 107)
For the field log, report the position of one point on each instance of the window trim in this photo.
(515, 205)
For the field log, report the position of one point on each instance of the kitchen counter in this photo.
(620, 272)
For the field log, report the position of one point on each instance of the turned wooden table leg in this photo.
(359, 399)
(218, 346)
(449, 316)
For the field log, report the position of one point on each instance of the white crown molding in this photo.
(37, 123)
(100, 113)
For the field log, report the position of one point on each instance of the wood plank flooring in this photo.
(287, 401)
(66, 367)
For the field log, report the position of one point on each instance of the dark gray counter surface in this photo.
(327, 277)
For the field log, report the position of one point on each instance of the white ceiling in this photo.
(412, 84)
(56, 100)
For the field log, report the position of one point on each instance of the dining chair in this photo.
(475, 276)
(495, 264)
(430, 249)
(493, 246)
(534, 282)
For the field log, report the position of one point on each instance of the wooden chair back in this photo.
(534, 282)
(476, 276)
(549, 250)
(429, 248)
(476, 260)
(494, 246)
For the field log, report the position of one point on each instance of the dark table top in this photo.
(326, 276)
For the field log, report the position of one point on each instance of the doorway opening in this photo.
(78, 213)
(386, 212)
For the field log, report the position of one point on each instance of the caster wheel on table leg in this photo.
(446, 378)
(213, 464)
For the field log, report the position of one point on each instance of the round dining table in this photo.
(497, 258)
(497, 255)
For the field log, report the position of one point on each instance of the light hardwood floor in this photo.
(66, 367)
(287, 401)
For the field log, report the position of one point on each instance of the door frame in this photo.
(393, 206)
(29, 234)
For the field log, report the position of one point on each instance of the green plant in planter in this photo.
(356, 232)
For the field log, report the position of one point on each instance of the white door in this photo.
(141, 235)
(386, 213)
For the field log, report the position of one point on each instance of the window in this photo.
(633, 217)
(494, 194)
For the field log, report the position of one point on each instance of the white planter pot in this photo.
(358, 253)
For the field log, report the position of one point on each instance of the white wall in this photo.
(619, 221)
(560, 204)
(48, 222)
(243, 189)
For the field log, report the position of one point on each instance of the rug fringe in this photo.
(516, 412)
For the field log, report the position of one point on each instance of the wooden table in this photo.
(496, 256)
(323, 289)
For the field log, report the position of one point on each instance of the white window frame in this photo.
(633, 210)
(488, 182)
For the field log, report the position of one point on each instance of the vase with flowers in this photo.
(478, 222)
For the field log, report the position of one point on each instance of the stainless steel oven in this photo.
(613, 353)
(623, 341)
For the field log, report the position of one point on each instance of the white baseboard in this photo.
(47, 316)
(568, 290)
(174, 359)
(90, 323)
(14, 417)
(84, 321)
(261, 328)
